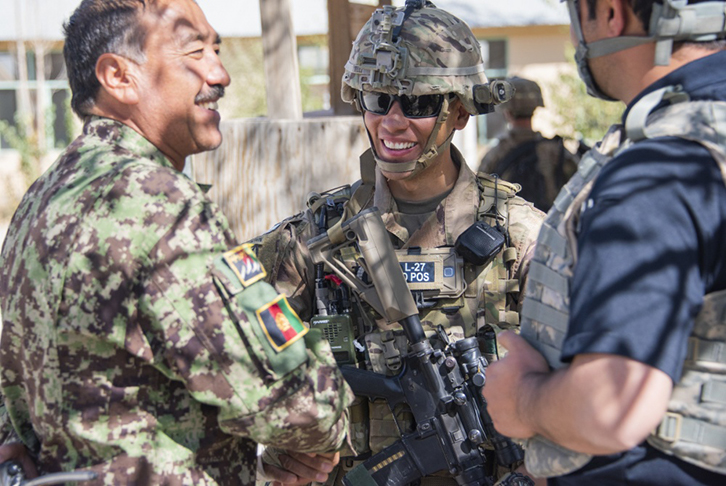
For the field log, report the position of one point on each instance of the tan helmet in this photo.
(527, 98)
(416, 50)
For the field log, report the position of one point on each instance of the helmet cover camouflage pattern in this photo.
(435, 53)
(527, 98)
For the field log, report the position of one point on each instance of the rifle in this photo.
(11, 474)
(442, 387)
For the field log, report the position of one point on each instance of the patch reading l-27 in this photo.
(419, 272)
(438, 273)
(244, 264)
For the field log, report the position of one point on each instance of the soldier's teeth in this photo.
(209, 105)
(398, 145)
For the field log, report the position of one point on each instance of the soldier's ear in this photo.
(614, 16)
(118, 78)
(459, 115)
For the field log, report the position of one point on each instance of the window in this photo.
(314, 77)
(55, 90)
(313, 61)
(8, 67)
(7, 111)
(494, 55)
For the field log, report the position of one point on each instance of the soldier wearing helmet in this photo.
(625, 296)
(528, 97)
(539, 164)
(416, 74)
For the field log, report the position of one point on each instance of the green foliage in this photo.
(246, 96)
(579, 115)
(23, 138)
(313, 95)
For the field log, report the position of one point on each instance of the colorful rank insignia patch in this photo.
(281, 324)
(244, 264)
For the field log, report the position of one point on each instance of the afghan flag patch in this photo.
(245, 265)
(281, 324)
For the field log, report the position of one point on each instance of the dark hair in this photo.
(643, 9)
(95, 28)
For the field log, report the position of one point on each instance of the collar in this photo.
(702, 79)
(116, 133)
(451, 218)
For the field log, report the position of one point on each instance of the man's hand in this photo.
(509, 385)
(599, 404)
(300, 468)
(18, 453)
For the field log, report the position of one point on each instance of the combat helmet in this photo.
(527, 98)
(670, 21)
(416, 50)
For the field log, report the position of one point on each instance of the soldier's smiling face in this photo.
(397, 138)
(181, 80)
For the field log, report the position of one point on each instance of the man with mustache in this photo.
(139, 341)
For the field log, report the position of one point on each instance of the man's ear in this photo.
(617, 16)
(117, 76)
(459, 115)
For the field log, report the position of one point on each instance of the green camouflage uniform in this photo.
(491, 297)
(546, 160)
(121, 351)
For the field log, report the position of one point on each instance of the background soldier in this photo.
(540, 165)
(625, 296)
(134, 344)
(414, 73)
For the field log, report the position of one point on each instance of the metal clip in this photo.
(390, 352)
(669, 429)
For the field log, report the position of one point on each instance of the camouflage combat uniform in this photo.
(491, 297)
(540, 165)
(122, 352)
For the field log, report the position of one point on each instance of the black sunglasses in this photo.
(423, 106)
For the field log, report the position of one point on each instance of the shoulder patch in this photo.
(281, 324)
(245, 265)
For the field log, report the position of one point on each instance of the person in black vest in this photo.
(619, 374)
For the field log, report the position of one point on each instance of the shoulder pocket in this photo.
(265, 319)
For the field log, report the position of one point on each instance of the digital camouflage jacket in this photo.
(123, 351)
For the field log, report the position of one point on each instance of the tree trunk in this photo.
(40, 99)
(284, 100)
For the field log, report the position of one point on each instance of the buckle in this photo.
(391, 354)
(669, 429)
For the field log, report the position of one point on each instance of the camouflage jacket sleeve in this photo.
(192, 334)
(290, 269)
(8, 435)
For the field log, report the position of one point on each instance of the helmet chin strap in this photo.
(430, 151)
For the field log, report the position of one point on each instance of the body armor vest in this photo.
(694, 429)
(486, 299)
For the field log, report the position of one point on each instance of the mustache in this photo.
(215, 92)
